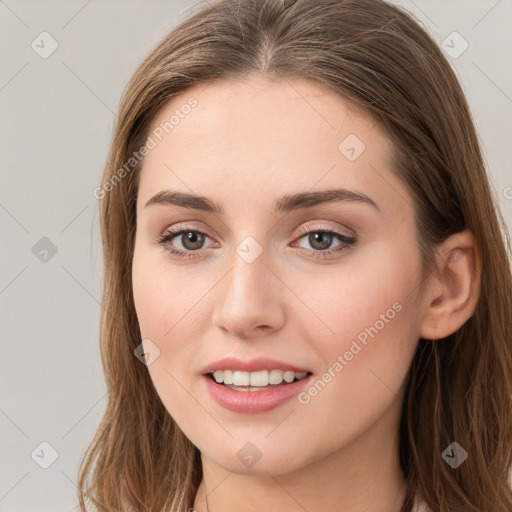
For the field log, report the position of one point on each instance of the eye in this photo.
(191, 239)
(322, 239)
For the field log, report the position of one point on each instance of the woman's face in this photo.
(262, 277)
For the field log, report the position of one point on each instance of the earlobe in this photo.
(453, 296)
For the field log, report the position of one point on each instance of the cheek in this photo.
(162, 295)
(361, 378)
(370, 295)
(168, 307)
(371, 289)
(372, 317)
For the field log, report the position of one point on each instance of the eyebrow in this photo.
(284, 204)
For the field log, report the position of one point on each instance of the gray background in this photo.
(57, 117)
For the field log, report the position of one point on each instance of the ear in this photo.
(452, 298)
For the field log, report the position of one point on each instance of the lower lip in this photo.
(254, 401)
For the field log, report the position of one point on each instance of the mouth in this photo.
(250, 392)
(253, 386)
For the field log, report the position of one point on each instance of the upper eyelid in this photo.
(308, 229)
(181, 228)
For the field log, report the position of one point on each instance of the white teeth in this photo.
(275, 377)
(288, 376)
(240, 378)
(256, 379)
(228, 377)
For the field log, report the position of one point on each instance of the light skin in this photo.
(244, 145)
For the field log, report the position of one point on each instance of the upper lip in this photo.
(252, 365)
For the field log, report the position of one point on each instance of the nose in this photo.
(249, 299)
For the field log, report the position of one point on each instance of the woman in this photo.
(307, 295)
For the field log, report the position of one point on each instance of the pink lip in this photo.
(253, 401)
(253, 365)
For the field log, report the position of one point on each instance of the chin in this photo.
(277, 463)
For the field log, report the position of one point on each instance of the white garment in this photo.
(420, 506)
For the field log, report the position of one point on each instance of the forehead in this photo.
(249, 141)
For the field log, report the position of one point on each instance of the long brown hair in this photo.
(378, 57)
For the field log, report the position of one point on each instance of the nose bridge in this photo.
(248, 295)
(249, 266)
(248, 281)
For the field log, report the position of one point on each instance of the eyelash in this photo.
(347, 242)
